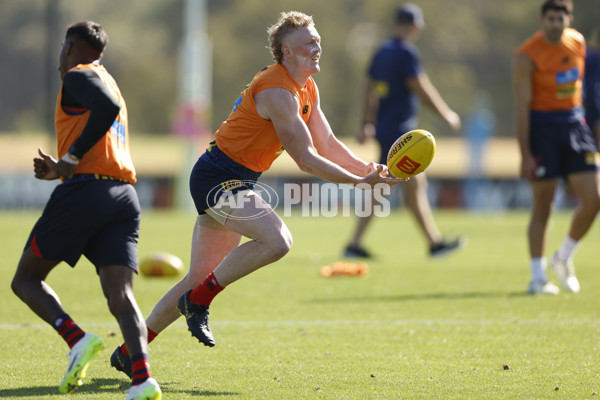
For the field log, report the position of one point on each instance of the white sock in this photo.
(538, 269)
(567, 249)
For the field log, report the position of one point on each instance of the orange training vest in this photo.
(559, 68)
(245, 136)
(110, 156)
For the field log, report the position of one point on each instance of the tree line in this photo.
(466, 48)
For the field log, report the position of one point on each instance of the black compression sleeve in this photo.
(83, 88)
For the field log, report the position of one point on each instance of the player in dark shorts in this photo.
(554, 140)
(214, 175)
(94, 212)
(395, 86)
(279, 109)
(562, 145)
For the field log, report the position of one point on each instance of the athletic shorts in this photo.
(99, 219)
(214, 175)
(562, 148)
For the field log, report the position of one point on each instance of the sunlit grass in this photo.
(458, 328)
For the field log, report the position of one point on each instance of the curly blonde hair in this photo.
(286, 24)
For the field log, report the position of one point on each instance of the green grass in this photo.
(414, 329)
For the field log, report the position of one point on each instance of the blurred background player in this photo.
(95, 211)
(396, 82)
(280, 109)
(554, 139)
(591, 84)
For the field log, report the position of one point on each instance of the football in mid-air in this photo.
(411, 154)
(161, 264)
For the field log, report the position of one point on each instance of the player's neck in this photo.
(299, 74)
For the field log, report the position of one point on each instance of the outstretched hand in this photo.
(380, 174)
(47, 168)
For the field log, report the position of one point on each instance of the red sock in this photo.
(204, 294)
(68, 329)
(140, 369)
(151, 336)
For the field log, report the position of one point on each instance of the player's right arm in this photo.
(591, 82)
(281, 107)
(523, 68)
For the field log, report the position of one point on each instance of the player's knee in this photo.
(281, 245)
(18, 284)
(113, 306)
(15, 285)
(591, 202)
(118, 302)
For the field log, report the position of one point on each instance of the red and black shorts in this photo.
(92, 216)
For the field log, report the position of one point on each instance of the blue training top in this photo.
(394, 63)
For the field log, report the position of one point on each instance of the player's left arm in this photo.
(332, 148)
(431, 98)
(371, 105)
(85, 88)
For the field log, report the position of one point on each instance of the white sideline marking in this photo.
(427, 322)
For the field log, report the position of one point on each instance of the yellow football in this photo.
(161, 264)
(411, 154)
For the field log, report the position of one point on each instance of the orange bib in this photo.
(245, 136)
(110, 156)
(558, 75)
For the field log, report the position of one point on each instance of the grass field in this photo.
(459, 328)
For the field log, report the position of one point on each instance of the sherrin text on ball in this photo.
(411, 153)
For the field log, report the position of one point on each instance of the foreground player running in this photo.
(554, 139)
(95, 211)
(279, 110)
